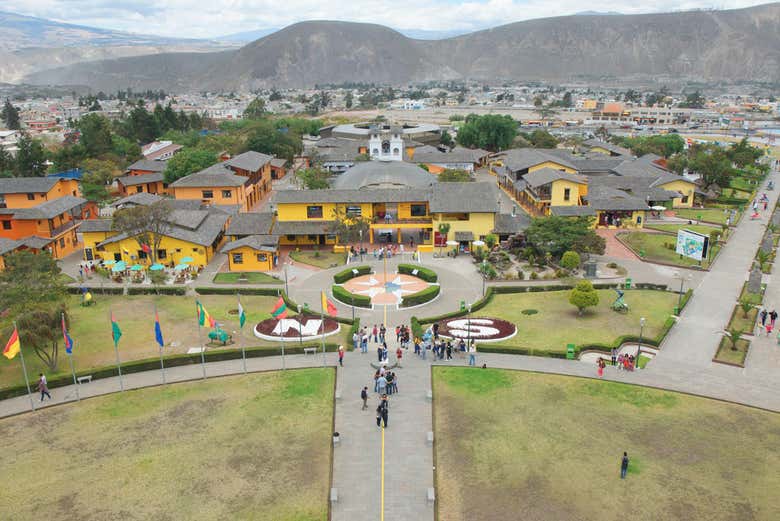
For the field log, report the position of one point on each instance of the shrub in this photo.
(343, 276)
(612, 265)
(273, 292)
(583, 296)
(570, 260)
(421, 297)
(520, 275)
(344, 296)
(529, 311)
(158, 277)
(428, 275)
(534, 275)
(159, 290)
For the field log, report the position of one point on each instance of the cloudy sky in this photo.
(210, 18)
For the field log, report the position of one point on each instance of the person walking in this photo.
(382, 333)
(364, 397)
(381, 384)
(397, 333)
(449, 350)
(763, 316)
(355, 341)
(601, 367)
(43, 387)
(624, 466)
(341, 356)
(773, 317)
(399, 353)
(381, 413)
(614, 356)
(364, 342)
(379, 354)
(473, 354)
(375, 332)
(384, 351)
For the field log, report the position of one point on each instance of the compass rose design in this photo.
(385, 291)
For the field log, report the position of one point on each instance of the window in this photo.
(162, 254)
(314, 212)
(375, 152)
(227, 194)
(141, 254)
(567, 194)
(196, 250)
(419, 210)
(354, 211)
(178, 250)
(685, 199)
(31, 197)
(208, 194)
(395, 151)
(238, 258)
(262, 257)
(6, 225)
(62, 243)
(139, 189)
(290, 237)
(312, 237)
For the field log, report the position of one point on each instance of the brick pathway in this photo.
(615, 249)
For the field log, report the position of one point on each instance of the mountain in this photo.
(418, 34)
(741, 44)
(245, 36)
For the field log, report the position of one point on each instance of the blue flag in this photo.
(157, 331)
(66, 338)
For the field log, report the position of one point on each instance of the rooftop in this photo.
(215, 176)
(251, 224)
(250, 161)
(370, 175)
(148, 165)
(21, 185)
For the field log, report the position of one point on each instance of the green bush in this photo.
(570, 260)
(272, 292)
(529, 311)
(421, 297)
(97, 291)
(343, 276)
(425, 274)
(157, 290)
(344, 296)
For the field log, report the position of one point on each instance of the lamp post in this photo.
(468, 326)
(300, 326)
(639, 345)
(484, 276)
(360, 232)
(682, 278)
(286, 288)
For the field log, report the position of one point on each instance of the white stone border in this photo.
(478, 340)
(294, 338)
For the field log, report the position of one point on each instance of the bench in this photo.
(431, 495)
(309, 350)
(338, 394)
(334, 495)
(429, 395)
(429, 438)
(84, 379)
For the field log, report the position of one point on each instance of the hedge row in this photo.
(349, 273)
(426, 274)
(157, 290)
(421, 297)
(735, 201)
(272, 292)
(97, 290)
(345, 297)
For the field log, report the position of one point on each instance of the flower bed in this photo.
(482, 329)
(309, 327)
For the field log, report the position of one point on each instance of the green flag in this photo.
(241, 315)
(116, 333)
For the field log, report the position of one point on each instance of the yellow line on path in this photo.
(382, 492)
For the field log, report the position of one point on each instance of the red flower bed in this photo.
(477, 328)
(288, 327)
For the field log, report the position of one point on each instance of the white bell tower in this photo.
(386, 144)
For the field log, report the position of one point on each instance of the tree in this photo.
(95, 106)
(446, 139)
(450, 175)
(30, 281)
(348, 99)
(583, 296)
(96, 136)
(267, 139)
(677, 163)
(275, 95)
(733, 335)
(713, 165)
(555, 235)
(745, 305)
(42, 329)
(188, 161)
(444, 229)
(570, 260)
(349, 228)
(492, 132)
(743, 154)
(632, 96)
(10, 116)
(141, 126)
(490, 241)
(6, 163)
(694, 100)
(146, 224)
(313, 178)
(541, 139)
(255, 109)
(30, 158)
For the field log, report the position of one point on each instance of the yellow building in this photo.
(191, 233)
(606, 148)
(546, 187)
(252, 253)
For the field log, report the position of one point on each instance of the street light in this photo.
(639, 345)
(360, 232)
(484, 275)
(300, 325)
(286, 288)
(682, 278)
(468, 326)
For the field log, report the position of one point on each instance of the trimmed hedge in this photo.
(686, 297)
(345, 297)
(270, 292)
(421, 297)
(157, 290)
(426, 274)
(97, 290)
(343, 276)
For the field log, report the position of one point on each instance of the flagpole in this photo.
(202, 345)
(72, 369)
(322, 317)
(116, 350)
(159, 347)
(24, 370)
(241, 332)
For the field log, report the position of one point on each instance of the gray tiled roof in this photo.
(35, 242)
(548, 175)
(148, 165)
(508, 224)
(251, 161)
(211, 224)
(96, 225)
(572, 211)
(21, 185)
(189, 219)
(384, 174)
(463, 197)
(251, 224)
(523, 158)
(388, 195)
(269, 243)
(139, 199)
(607, 198)
(214, 176)
(463, 155)
(278, 162)
(303, 227)
(642, 187)
(134, 180)
(50, 209)
(615, 149)
(7, 245)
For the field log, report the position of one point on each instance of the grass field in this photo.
(557, 322)
(321, 259)
(673, 228)
(516, 445)
(251, 278)
(652, 246)
(734, 356)
(753, 298)
(91, 330)
(744, 184)
(745, 324)
(246, 447)
(713, 215)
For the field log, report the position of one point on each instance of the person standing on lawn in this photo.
(624, 466)
(473, 353)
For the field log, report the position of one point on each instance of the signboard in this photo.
(692, 245)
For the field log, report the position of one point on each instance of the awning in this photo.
(464, 236)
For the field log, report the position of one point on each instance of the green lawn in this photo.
(654, 249)
(753, 298)
(713, 215)
(251, 277)
(739, 320)
(91, 330)
(517, 445)
(244, 447)
(734, 356)
(736, 193)
(741, 183)
(673, 228)
(321, 259)
(557, 323)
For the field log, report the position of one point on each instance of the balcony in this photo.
(59, 230)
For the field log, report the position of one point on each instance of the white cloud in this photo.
(199, 19)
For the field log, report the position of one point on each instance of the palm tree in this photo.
(734, 334)
(746, 306)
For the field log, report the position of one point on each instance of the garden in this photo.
(255, 446)
(660, 247)
(252, 277)
(518, 445)
(319, 258)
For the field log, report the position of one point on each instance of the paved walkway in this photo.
(614, 248)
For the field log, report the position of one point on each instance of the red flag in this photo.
(328, 306)
(145, 248)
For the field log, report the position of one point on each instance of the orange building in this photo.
(27, 192)
(143, 176)
(243, 180)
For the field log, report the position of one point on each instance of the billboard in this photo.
(691, 244)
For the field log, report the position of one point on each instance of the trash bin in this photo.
(628, 283)
(676, 311)
(570, 351)
(463, 305)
